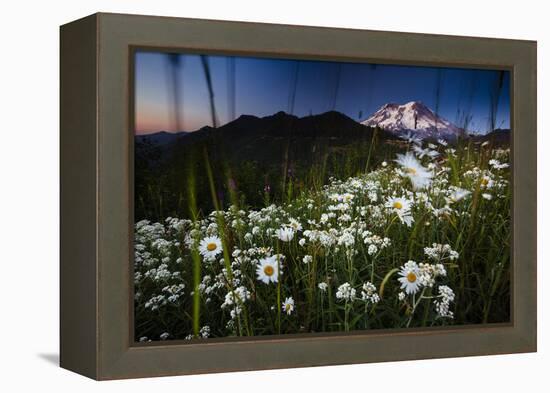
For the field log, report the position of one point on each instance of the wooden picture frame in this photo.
(96, 196)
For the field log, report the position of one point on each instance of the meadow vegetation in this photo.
(416, 235)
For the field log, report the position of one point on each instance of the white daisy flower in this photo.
(210, 247)
(268, 269)
(288, 305)
(457, 195)
(410, 167)
(323, 286)
(487, 196)
(285, 234)
(412, 138)
(421, 153)
(410, 277)
(486, 182)
(402, 207)
(295, 225)
(399, 204)
(497, 165)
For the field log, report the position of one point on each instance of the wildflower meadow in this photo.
(417, 239)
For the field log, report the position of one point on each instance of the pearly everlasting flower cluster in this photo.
(440, 252)
(235, 299)
(375, 243)
(368, 293)
(442, 303)
(204, 332)
(429, 272)
(346, 292)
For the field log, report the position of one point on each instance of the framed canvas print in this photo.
(240, 196)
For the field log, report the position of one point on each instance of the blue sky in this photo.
(264, 86)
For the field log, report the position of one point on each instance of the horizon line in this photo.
(157, 131)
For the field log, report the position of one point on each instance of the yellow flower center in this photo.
(398, 205)
(287, 307)
(411, 277)
(484, 181)
(268, 270)
(411, 171)
(211, 246)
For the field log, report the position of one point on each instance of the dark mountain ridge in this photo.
(499, 137)
(271, 137)
(331, 125)
(249, 129)
(160, 137)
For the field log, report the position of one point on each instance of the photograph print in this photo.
(287, 196)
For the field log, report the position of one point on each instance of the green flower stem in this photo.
(415, 305)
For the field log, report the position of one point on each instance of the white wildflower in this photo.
(210, 247)
(402, 207)
(345, 292)
(442, 302)
(368, 293)
(285, 234)
(288, 305)
(267, 269)
(457, 195)
(419, 176)
(409, 279)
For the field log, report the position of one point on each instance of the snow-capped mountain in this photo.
(414, 117)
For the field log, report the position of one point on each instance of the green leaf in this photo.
(385, 280)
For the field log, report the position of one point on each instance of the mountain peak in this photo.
(414, 117)
(415, 105)
(281, 115)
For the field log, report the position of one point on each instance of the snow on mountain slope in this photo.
(413, 117)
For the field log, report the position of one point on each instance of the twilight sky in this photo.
(263, 86)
